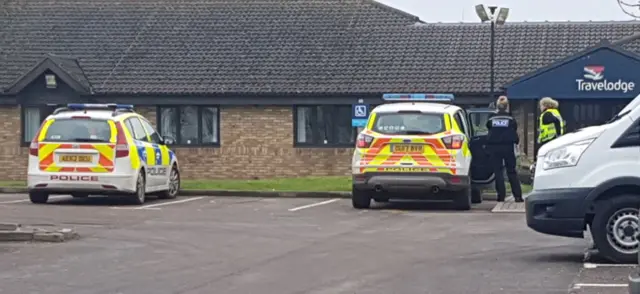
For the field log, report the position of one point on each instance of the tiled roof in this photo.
(276, 46)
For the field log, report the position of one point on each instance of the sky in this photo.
(519, 10)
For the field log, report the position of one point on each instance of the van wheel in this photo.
(38, 197)
(476, 195)
(462, 199)
(174, 185)
(614, 228)
(140, 196)
(360, 199)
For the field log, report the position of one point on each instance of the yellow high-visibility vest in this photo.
(548, 131)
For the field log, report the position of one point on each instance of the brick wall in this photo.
(12, 157)
(257, 142)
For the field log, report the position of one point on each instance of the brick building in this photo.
(255, 89)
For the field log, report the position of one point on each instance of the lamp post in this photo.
(496, 19)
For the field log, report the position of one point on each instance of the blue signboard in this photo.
(600, 73)
(359, 115)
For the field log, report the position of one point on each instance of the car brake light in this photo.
(453, 141)
(363, 141)
(33, 147)
(80, 117)
(122, 148)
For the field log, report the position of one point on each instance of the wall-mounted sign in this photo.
(359, 115)
(594, 80)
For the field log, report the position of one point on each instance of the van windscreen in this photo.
(78, 130)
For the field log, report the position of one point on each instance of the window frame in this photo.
(199, 118)
(129, 123)
(314, 131)
(460, 119)
(40, 107)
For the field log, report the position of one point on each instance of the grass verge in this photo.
(314, 184)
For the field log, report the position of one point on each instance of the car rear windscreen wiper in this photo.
(417, 133)
(89, 140)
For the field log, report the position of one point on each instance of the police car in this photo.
(84, 149)
(420, 146)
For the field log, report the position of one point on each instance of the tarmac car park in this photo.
(419, 147)
(85, 149)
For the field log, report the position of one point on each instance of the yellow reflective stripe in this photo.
(447, 121)
(165, 155)
(53, 168)
(133, 150)
(105, 150)
(151, 154)
(114, 131)
(43, 132)
(98, 169)
(372, 118)
(46, 150)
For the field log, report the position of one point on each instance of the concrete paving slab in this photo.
(16, 236)
(509, 206)
(9, 226)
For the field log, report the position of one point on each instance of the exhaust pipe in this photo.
(378, 188)
(435, 189)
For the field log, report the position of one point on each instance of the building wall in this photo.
(257, 142)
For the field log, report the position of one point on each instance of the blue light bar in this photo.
(417, 97)
(80, 106)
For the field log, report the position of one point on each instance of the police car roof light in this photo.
(80, 106)
(418, 97)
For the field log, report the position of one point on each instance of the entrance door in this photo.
(481, 170)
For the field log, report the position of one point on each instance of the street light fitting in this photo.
(503, 13)
(482, 13)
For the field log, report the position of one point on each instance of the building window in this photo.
(190, 125)
(32, 118)
(328, 125)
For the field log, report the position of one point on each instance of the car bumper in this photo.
(417, 183)
(95, 183)
(558, 212)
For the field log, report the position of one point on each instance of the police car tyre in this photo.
(360, 199)
(174, 185)
(614, 228)
(139, 196)
(462, 199)
(79, 195)
(38, 197)
(476, 195)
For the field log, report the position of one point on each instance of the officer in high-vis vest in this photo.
(501, 141)
(551, 124)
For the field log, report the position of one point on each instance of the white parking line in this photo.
(314, 204)
(169, 203)
(597, 265)
(587, 285)
(27, 200)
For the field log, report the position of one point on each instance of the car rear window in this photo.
(409, 123)
(78, 130)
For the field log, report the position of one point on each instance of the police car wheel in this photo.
(615, 227)
(38, 197)
(462, 199)
(139, 196)
(476, 195)
(174, 185)
(360, 199)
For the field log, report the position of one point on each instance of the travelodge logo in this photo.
(594, 81)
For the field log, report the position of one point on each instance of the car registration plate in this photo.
(76, 158)
(408, 148)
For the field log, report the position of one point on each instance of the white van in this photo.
(591, 177)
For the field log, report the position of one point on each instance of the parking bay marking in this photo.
(169, 203)
(589, 265)
(27, 200)
(594, 285)
(314, 204)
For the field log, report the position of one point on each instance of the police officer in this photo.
(501, 141)
(551, 124)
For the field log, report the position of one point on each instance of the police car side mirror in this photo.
(168, 140)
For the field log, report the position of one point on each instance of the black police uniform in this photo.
(501, 139)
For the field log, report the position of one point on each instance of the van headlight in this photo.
(565, 156)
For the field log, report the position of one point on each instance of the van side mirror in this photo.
(168, 140)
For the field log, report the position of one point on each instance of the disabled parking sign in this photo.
(359, 115)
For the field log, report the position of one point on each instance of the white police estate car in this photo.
(104, 149)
